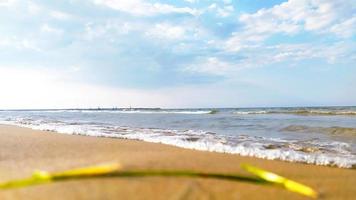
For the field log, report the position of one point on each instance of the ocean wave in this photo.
(167, 112)
(321, 112)
(312, 152)
(188, 112)
(251, 112)
(334, 130)
(298, 112)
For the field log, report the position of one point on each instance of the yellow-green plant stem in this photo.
(115, 170)
(284, 182)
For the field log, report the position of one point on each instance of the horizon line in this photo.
(169, 108)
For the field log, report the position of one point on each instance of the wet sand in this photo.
(23, 150)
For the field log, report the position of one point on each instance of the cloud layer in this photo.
(147, 46)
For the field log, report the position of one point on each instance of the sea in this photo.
(312, 135)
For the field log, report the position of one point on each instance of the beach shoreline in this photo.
(23, 150)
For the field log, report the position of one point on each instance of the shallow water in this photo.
(323, 136)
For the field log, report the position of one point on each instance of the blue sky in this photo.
(188, 53)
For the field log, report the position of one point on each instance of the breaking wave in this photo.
(334, 130)
(309, 151)
(298, 112)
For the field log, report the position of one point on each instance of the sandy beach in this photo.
(24, 150)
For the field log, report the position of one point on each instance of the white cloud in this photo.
(142, 8)
(33, 8)
(7, 2)
(191, 1)
(14, 42)
(59, 15)
(225, 11)
(166, 31)
(211, 65)
(310, 15)
(29, 44)
(221, 11)
(267, 55)
(5, 41)
(293, 53)
(293, 16)
(49, 29)
(243, 40)
(345, 29)
(227, 1)
(113, 30)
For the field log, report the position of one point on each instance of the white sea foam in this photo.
(188, 112)
(312, 152)
(251, 112)
(163, 112)
(297, 112)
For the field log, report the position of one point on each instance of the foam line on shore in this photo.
(320, 153)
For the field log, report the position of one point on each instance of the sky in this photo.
(177, 54)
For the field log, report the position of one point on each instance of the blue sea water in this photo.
(314, 135)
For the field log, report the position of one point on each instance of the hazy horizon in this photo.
(171, 108)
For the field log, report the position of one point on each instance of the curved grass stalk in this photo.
(115, 170)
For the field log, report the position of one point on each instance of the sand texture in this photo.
(23, 150)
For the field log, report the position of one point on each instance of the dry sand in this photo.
(23, 150)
